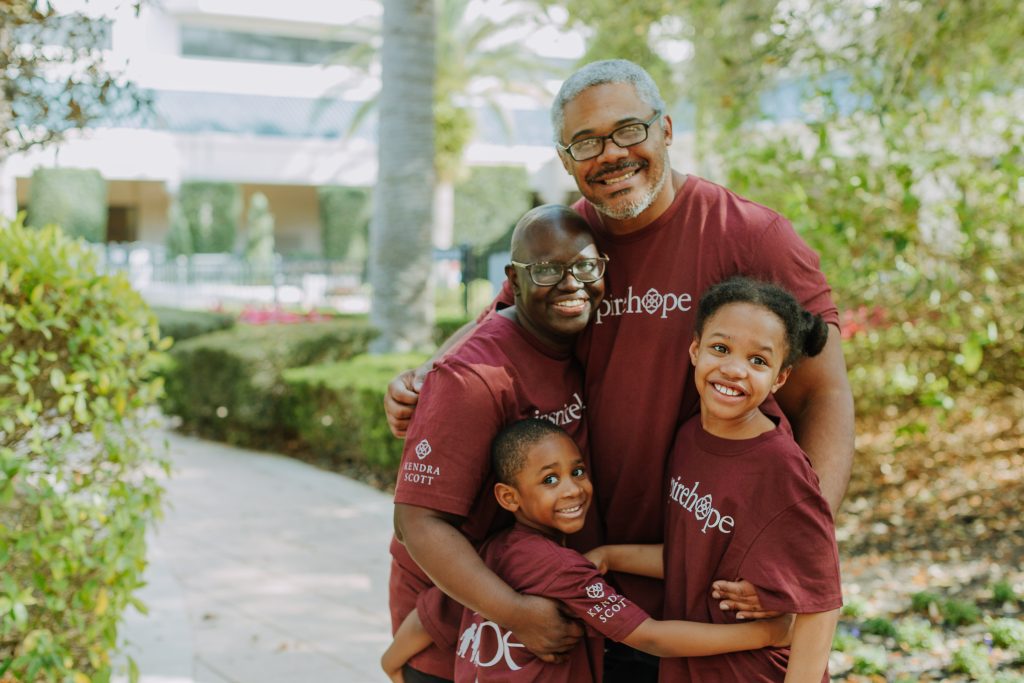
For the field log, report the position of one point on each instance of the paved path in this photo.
(264, 570)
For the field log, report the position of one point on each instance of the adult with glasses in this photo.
(669, 236)
(516, 364)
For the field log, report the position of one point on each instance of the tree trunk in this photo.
(400, 232)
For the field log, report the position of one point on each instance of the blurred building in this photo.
(241, 94)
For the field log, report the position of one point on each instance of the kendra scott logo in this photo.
(422, 449)
(595, 591)
(652, 303)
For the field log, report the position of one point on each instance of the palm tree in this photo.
(400, 254)
(474, 69)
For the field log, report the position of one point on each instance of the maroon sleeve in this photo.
(794, 563)
(577, 584)
(440, 616)
(446, 459)
(783, 257)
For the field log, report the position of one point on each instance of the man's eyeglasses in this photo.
(623, 136)
(546, 274)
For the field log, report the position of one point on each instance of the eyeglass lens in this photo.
(587, 270)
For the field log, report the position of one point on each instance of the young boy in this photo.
(543, 481)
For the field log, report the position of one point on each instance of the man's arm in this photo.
(451, 562)
(404, 390)
(812, 641)
(819, 404)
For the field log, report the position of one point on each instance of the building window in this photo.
(198, 41)
(122, 224)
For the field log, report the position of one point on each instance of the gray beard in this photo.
(634, 208)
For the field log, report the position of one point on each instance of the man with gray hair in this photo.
(669, 236)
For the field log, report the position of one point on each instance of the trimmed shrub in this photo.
(259, 247)
(335, 409)
(76, 471)
(212, 212)
(73, 198)
(180, 324)
(445, 326)
(227, 385)
(489, 202)
(344, 220)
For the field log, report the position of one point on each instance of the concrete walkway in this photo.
(264, 570)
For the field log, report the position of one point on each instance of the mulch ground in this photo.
(935, 504)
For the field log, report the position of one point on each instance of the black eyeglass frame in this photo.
(611, 136)
(571, 267)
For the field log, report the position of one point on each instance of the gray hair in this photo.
(598, 73)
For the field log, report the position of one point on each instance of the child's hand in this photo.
(740, 596)
(781, 630)
(599, 558)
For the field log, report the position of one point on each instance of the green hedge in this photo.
(336, 409)
(76, 470)
(73, 198)
(227, 385)
(344, 221)
(212, 212)
(180, 324)
(489, 202)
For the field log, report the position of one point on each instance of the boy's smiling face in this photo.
(552, 491)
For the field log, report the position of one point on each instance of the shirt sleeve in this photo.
(782, 256)
(581, 588)
(446, 458)
(794, 562)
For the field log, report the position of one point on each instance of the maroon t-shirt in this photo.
(638, 383)
(496, 376)
(747, 508)
(534, 564)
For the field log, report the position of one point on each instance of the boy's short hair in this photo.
(510, 446)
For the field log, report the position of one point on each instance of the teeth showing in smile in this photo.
(726, 390)
(572, 303)
(619, 179)
(570, 511)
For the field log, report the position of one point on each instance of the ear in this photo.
(513, 278)
(694, 345)
(781, 379)
(667, 129)
(566, 160)
(507, 496)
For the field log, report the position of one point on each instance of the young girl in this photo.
(742, 499)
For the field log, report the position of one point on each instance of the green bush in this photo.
(211, 211)
(489, 201)
(879, 626)
(227, 385)
(922, 601)
(1002, 592)
(446, 325)
(870, 661)
(336, 409)
(180, 324)
(1008, 634)
(972, 659)
(960, 613)
(916, 634)
(344, 221)
(73, 198)
(76, 472)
